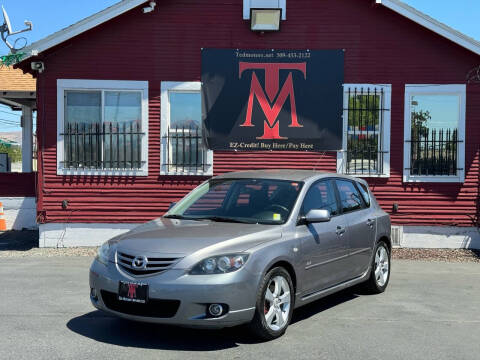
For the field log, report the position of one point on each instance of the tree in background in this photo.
(14, 152)
(419, 124)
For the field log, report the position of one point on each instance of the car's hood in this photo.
(184, 237)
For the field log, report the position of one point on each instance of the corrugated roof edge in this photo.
(125, 5)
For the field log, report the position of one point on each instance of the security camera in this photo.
(38, 66)
(149, 8)
(28, 24)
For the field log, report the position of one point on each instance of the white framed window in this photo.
(102, 127)
(366, 130)
(183, 149)
(434, 147)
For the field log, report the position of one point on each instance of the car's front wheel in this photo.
(274, 305)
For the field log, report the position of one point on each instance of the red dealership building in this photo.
(140, 103)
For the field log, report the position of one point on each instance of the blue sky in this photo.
(49, 16)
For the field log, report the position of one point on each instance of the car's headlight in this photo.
(220, 264)
(103, 253)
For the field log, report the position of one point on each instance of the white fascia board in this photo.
(81, 26)
(432, 24)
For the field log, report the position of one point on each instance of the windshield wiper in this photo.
(211, 218)
(180, 217)
(175, 217)
(226, 219)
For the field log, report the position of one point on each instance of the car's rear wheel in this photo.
(380, 273)
(274, 305)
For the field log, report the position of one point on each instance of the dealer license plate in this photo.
(133, 292)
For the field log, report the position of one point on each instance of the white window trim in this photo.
(412, 89)
(166, 86)
(385, 132)
(114, 85)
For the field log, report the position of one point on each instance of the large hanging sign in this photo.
(272, 99)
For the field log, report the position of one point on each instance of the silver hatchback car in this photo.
(246, 248)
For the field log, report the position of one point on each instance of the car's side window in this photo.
(365, 195)
(321, 195)
(350, 198)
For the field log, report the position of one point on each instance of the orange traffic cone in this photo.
(3, 223)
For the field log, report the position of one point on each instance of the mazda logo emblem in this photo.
(139, 262)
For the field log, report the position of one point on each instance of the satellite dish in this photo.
(6, 31)
(7, 24)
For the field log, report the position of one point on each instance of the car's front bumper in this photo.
(194, 292)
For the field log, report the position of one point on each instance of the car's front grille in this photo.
(153, 308)
(154, 265)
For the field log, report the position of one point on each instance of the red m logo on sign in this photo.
(272, 79)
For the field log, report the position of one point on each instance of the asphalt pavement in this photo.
(429, 311)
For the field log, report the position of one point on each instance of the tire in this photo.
(273, 312)
(380, 270)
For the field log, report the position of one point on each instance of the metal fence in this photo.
(433, 152)
(364, 154)
(185, 150)
(103, 146)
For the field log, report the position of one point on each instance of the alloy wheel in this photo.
(382, 266)
(277, 303)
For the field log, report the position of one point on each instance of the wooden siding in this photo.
(380, 47)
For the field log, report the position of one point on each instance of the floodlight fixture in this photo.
(265, 19)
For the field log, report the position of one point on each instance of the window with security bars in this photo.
(102, 131)
(184, 152)
(366, 139)
(111, 141)
(434, 152)
(434, 144)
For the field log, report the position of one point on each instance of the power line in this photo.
(3, 106)
(10, 113)
(13, 121)
(9, 123)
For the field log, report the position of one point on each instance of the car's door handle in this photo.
(370, 222)
(340, 230)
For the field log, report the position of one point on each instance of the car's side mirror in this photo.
(317, 216)
(172, 205)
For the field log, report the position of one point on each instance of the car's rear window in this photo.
(365, 194)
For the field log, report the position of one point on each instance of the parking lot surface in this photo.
(430, 311)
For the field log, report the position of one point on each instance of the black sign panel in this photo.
(272, 99)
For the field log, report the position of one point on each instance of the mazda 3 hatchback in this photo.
(246, 248)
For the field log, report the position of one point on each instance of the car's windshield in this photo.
(263, 201)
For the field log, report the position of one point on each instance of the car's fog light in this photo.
(215, 310)
(93, 294)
